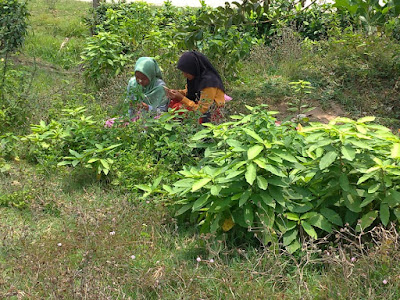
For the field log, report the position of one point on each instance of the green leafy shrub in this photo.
(14, 97)
(19, 199)
(160, 148)
(13, 25)
(8, 145)
(370, 15)
(292, 184)
(104, 56)
(48, 142)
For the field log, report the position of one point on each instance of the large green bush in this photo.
(13, 25)
(292, 183)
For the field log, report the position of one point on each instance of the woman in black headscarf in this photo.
(204, 88)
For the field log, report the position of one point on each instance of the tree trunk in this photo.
(96, 3)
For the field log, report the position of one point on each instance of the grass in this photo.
(79, 242)
(76, 237)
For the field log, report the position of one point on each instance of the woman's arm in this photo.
(207, 97)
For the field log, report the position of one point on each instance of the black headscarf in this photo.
(205, 75)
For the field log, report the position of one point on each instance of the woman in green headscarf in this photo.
(147, 87)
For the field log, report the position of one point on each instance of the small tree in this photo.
(13, 28)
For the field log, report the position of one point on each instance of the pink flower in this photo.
(135, 119)
(227, 98)
(59, 244)
(353, 259)
(211, 260)
(112, 232)
(109, 123)
(133, 256)
(198, 259)
(384, 281)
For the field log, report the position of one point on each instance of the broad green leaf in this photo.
(393, 199)
(215, 224)
(359, 143)
(293, 247)
(361, 129)
(215, 190)
(308, 215)
(232, 174)
(384, 214)
(395, 153)
(309, 229)
(278, 181)
(200, 183)
(244, 197)
(299, 207)
(277, 195)
(220, 205)
(92, 160)
(367, 200)
(348, 152)
(285, 225)
(105, 163)
(292, 216)
(199, 203)
(251, 173)
(344, 182)
(201, 134)
(286, 156)
(352, 202)
(374, 187)
(268, 199)
(74, 153)
(332, 216)
(254, 151)
(248, 215)
(261, 162)
(274, 170)
(320, 144)
(262, 182)
(253, 134)
(187, 182)
(320, 222)
(397, 213)
(367, 220)
(366, 176)
(168, 189)
(143, 187)
(327, 160)
(366, 119)
(238, 217)
(289, 237)
(183, 209)
(237, 146)
(157, 182)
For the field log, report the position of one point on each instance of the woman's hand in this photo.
(173, 94)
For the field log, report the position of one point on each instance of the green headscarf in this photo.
(153, 94)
